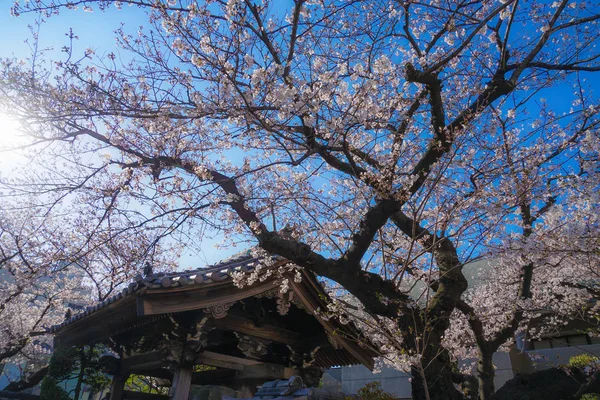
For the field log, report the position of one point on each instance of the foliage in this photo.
(590, 396)
(144, 384)
(76, 364)
(60, 369)
(50, 390)
(581, 361)
(547, 384)
(203, 368)
(382, 145)
(373, 391)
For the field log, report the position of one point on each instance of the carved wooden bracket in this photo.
(251, 347)
(284, 301)
(310, 358)
(218, 311)
(303, 360)
(334, 343)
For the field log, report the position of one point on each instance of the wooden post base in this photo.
(182, 381)
(118, 386)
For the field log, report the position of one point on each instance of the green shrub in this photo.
(590, 396)
(80, 365)
(581, 361)
(373, 391)
(51, 391)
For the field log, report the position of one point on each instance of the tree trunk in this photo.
(81, 373)
(485, 374)
(433, 378)
(437, 383)
(27, 382)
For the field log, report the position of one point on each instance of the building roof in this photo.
(151, 298)
(221, 271)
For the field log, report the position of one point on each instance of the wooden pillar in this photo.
(248, 388)
(182, 381)
(117, 386)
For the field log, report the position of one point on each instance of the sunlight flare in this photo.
(10, 132)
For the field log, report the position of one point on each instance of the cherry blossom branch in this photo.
(27, 381)
(557, 67)
(540, 44)
(293, 37)
(465, 43)
(345, 271)
(406, 28)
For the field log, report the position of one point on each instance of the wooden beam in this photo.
(182, 382)
(223, 361)
(161, 373)
(266, 371)
(269, 332)
(99, 325)
(312, 301)
(214, 377)
(130, 395)
(202, 297)
(146, 361)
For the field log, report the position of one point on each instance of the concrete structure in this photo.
(352, 378)
(526, 356)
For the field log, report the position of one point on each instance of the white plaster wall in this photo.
(504, 369)
(548, 358)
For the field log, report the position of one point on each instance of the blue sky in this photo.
(94, 30)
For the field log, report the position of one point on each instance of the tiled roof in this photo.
(219, 272)
(42, 347)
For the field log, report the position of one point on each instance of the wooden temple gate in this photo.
(198, 328)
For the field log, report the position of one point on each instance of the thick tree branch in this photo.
(451, 282)
(514, 78)
(28, 381)
(370, 224)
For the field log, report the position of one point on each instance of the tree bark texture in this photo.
(485, 374)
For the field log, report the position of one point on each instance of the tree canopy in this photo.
(381, 145)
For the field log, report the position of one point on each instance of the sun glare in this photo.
(10, 132)
(11, 137)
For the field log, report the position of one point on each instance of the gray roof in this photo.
(240, 262)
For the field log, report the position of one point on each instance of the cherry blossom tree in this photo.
(379, 144)
(35, 290)
(49, 270)
(110, 257)
(546, 260)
